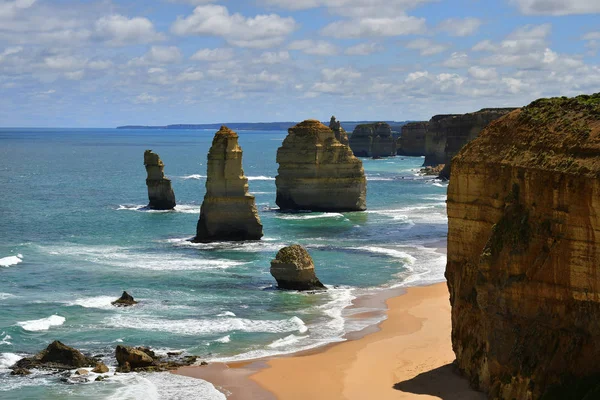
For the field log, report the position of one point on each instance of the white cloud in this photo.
(363, 49)
(373, 27)
(61, 62)
(483, 74)
(100, 64)
(146, 98)
(457, 60)
(340, 74)
(8, 9)
(190, 75)
(460, 26)
(417, 75)
(557, 7)
(75, 75)
(271, 58)
(427, 47)
(262, 31)
(314, 47)
(353, 8)
(10, 51)
(119, 30)
(158, 55)
(219, 54)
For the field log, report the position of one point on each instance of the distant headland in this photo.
(260, 126)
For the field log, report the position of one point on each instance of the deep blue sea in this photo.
(74, 235)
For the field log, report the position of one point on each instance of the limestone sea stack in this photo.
(228, 211)
(340, 133)
(294, 269)
(373, 140)
(524, 251)
(412, 140)
(160, 193)
(318, 173)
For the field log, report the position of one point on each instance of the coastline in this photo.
(407, 354)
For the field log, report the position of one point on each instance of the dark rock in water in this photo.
(174, 353)
(228, 211)
(318, 173)
(100, 378)
(100, 368)
(126, 300)
(56, 356)
(203, 363)
(160, 192)
(132, 358)
(20, 372)
(294, 269)
(82, 372)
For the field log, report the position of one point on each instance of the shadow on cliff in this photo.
(443, 382)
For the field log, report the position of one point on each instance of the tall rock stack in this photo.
(228, 212)
(412, 140)
(340, 133)
(373, 140)
(318, 173)
(524, 252)
(160, 192)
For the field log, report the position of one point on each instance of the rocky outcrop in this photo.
(523, 251)
(160, 193)
(228, 211)
(135, 359)
(318, 173)
(447, 134)
(55, 356)
(340, 133)
(373, 140)
(412, 139)
(126, 300)
(294, 269)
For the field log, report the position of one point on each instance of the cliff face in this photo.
(523, 252)
(340, 133)
(160, 192)
(447, 134)
(318, 173)
(228, 212)
(412, 141)
(373, 140)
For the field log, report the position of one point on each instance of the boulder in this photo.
(126, 300)
(20, 372)
(160, 192)
(56, 356)
(524, 251)
(340, 133)
(82, 372)
(100, 368)
(318, 173)
(228, 211)
(294, 269)
(129, 358)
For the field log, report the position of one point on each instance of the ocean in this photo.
(75, 234)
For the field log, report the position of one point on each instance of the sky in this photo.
(104, 63)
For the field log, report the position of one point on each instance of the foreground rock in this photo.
(228, 211)
(523, 251)
(136, 359)
(55, 356)
(373, 140)
(340, 133)
(294, 269)
(318, 173)
(160, 193)
(412, 140)
(126, 300)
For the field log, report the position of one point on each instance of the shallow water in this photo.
(75, 234)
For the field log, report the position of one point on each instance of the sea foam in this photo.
(43, 324)
(7, 360)
(11, 260)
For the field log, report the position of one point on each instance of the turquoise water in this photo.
(75, 235)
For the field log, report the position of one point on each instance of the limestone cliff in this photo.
(228, 212)
(318, 173)
(412, 140)
(373, 140)
(340, 133)
(523, 253)
(160, 192)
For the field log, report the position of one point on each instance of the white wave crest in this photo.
(5, 339)
(43, 324)
(4, 296)
(194, 176)
(101, 302)
(260, 178)
(226, 314)
(286, 341)
(180, 208)
(224, 339)
(7, 360)
(405, 257)
(303, 216)
(203, 326)
(11, 260)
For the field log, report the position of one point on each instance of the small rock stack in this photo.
(340, 133)
(160, 192)
(228, 212)
(294, 269)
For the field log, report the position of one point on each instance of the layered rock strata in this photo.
(228, 211)
(294, 269)
(523, 253)
(318, 173)
(340, 133)
(373, 140)
(160, 192)
(412, 139)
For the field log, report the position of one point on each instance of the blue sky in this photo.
(103, 63)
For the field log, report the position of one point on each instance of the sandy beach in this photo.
(410, 356)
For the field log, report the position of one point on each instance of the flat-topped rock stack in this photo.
(160, 192)
(340, 133)
(412, 140)
(228, 211)
(294, 269)
(524, 251)
(318, 173)
(373, 140)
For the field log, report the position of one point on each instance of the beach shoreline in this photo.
(407, 354)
